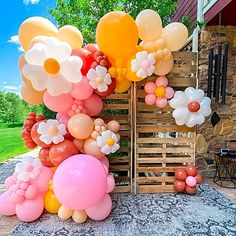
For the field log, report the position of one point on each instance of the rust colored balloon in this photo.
(35, 136)
(180, 174)
(59, 152)
(193, 106)
(179, 186)
(191, 190)
(199, 178)
(110, 89)
(191, 170)
(44, 157)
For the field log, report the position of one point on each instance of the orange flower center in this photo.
(53, 130)
(160, 92)
(99, 80)
(51, 66)
(110, 141)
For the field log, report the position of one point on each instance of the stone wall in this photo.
(210, 37)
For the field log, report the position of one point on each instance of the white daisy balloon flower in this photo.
(50, 66)
(190, 107)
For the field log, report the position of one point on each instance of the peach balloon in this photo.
(65, 213)
(80, 126)
(114, 126)
(91, 148)
(30, 95)
(21, 61)
(175, 35)
(37, 39)
(33, 27)
(149, 25)
(79, 216)
(71, 35)
(164, 67)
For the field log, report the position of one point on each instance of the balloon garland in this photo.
(71, 176)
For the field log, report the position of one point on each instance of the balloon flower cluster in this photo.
(187, 180)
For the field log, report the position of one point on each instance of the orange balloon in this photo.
(164, 67)
(180, 174)
(191, 170)
(191, 190)
(91, 148)
(123, 86)
(33, 27)
(21, 61)
(179, 186)
(28, 82)
(80, 126)
(30, 95)
(117, 34)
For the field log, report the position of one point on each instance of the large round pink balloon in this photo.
(93, 105)
(58, 103)
(102, 210)
(30, 210)
(7, 207)
(80, 182)
(82, 90)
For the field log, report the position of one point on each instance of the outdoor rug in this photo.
(207, 213)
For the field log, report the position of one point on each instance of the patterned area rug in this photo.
(207, 213)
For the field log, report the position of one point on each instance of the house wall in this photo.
(212, 36)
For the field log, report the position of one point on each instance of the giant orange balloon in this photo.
(117, 34)
(123, 86)
(30, 95)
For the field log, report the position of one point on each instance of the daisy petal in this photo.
(43, 128)
(205, 106)
(101, 71)
(36, 55)
(107, 79)
(46, 138)
(62, 129)
(115, 147)
(106, 149)
(195, 118)
(102, 87)
(181, 115)
(100, 141)
(180, 100)
(92, 74)
(58, 138)
(194, 94)
(142, 73)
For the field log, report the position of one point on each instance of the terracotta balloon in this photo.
(190, 190)
(164, 67)
(110, 89)
(176, 35)
(117, 34)
(179, 186)
(91, 148)
(199, 178)
(44, 157)
(123, 85)
(35, 135)
(80, 126)
(149, 25)
(30, 95)
(33, 27)
(71, 35)
(191, 170)
(59, 152)
(93, 105)
(180, 174)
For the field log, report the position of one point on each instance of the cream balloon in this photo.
(79, 216)
(149, 25)
(164, 67)
(65, 213)
(175, 35)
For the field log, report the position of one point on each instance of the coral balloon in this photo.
(191, 190)
(92, 47)
(30, 210)
(81, 90)
(30, 95)
(80, 182)
(123, 86)
(102, 210)
(7, 207)
(179, 186)
(164, 67)
(199, 178)
(44, 157)
(180, 174)
(71, 35)
(57, 103)
(191, 170)
(51, 204)
(110, 89)
(80, 126)
(59, 152)
(114, 126)
(117, 34)
(86, 57)
(91, 148)
(149, 25)
(93, 105)
(175, 35)
(33, 27)
(79, 216)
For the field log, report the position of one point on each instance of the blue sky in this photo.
(13, 13)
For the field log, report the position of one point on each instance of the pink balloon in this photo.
(104, 160)
(42, 180)
(7, 207)
(191, 181)
(110, 183)
(93, 105)
(150, 87)
(63, 118)
(58, 103)
(102, 210)
(80, 182)
(150, 99)
(30, 210)
(169, 92)
(161, 102)
(10, 181)
(31, 192)
(82, 90)
(161, 81)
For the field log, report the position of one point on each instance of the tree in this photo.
(85, 14)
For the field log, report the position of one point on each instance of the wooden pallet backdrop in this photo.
(119, 107)
(160, 145)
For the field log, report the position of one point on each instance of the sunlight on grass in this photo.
(11, 143)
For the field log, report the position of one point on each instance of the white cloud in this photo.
(15, 39)
(9, 87)
(27, 2)
(4, 82)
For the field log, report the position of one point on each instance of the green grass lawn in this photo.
(11, 143)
